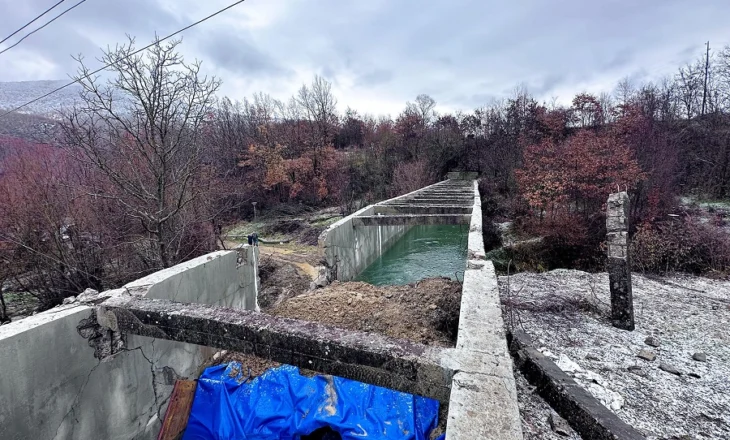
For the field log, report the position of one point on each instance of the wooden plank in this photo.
(178, 410)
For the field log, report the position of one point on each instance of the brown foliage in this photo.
(410, 176)
(576, 175)
(681, 245)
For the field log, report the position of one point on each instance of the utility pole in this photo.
(707, 69)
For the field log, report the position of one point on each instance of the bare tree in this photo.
(689, 88)
(425, 105)
(319, 107)
(142, 131)
(625, 91)
(722, 73)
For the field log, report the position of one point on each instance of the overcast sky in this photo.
(381, 53)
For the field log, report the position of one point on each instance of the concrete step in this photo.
(422, 209)
(445, 193)
(441, 200)
(411, 219)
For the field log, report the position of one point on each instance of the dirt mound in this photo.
(279, 281)
(425, 312)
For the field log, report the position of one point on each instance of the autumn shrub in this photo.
(681, 245)
(568, 240)
(411, 176)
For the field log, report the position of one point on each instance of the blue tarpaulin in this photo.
(282, 404)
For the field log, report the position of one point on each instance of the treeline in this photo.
(147, 170)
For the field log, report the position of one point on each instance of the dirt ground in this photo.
(425, 312)
(284, 273)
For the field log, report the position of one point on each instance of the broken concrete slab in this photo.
(366, 357)
(576, 405)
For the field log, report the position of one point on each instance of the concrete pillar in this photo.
(619, 265)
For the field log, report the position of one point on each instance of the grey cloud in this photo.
(546, 85)
(237, 55)
(462, 52)
(67, 36)
(375, 77)
(620, 59)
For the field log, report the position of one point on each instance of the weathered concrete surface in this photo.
(349, 250)
(412, 219)
(405, 208)
(686, 314)
(366, 357)
(52, 386)
(475, 245)
(215, 278)
(483, 402)
(619, 263)
(576, 405)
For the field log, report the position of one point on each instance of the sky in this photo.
(379, 54)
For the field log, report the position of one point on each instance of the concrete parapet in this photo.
(54, 386)
(422, 209)
(349, 249)
(576, 405)
(367, 357)
(483, 402)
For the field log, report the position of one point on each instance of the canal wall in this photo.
(53, 384)
(356, 241)
(349, 249)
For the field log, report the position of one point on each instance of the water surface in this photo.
(423, 252)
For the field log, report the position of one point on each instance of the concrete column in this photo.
(619, 265)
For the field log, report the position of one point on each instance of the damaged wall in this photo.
(52, 386)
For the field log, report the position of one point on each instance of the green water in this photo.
(423, 252)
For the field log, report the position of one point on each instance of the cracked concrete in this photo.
(366, 357)
(54, 384)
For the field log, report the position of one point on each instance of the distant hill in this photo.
(14, 94)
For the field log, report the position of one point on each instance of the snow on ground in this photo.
(565, 311)
(14, 94)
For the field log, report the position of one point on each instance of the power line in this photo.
(31, 22)
(121, 59)
(36, 30)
